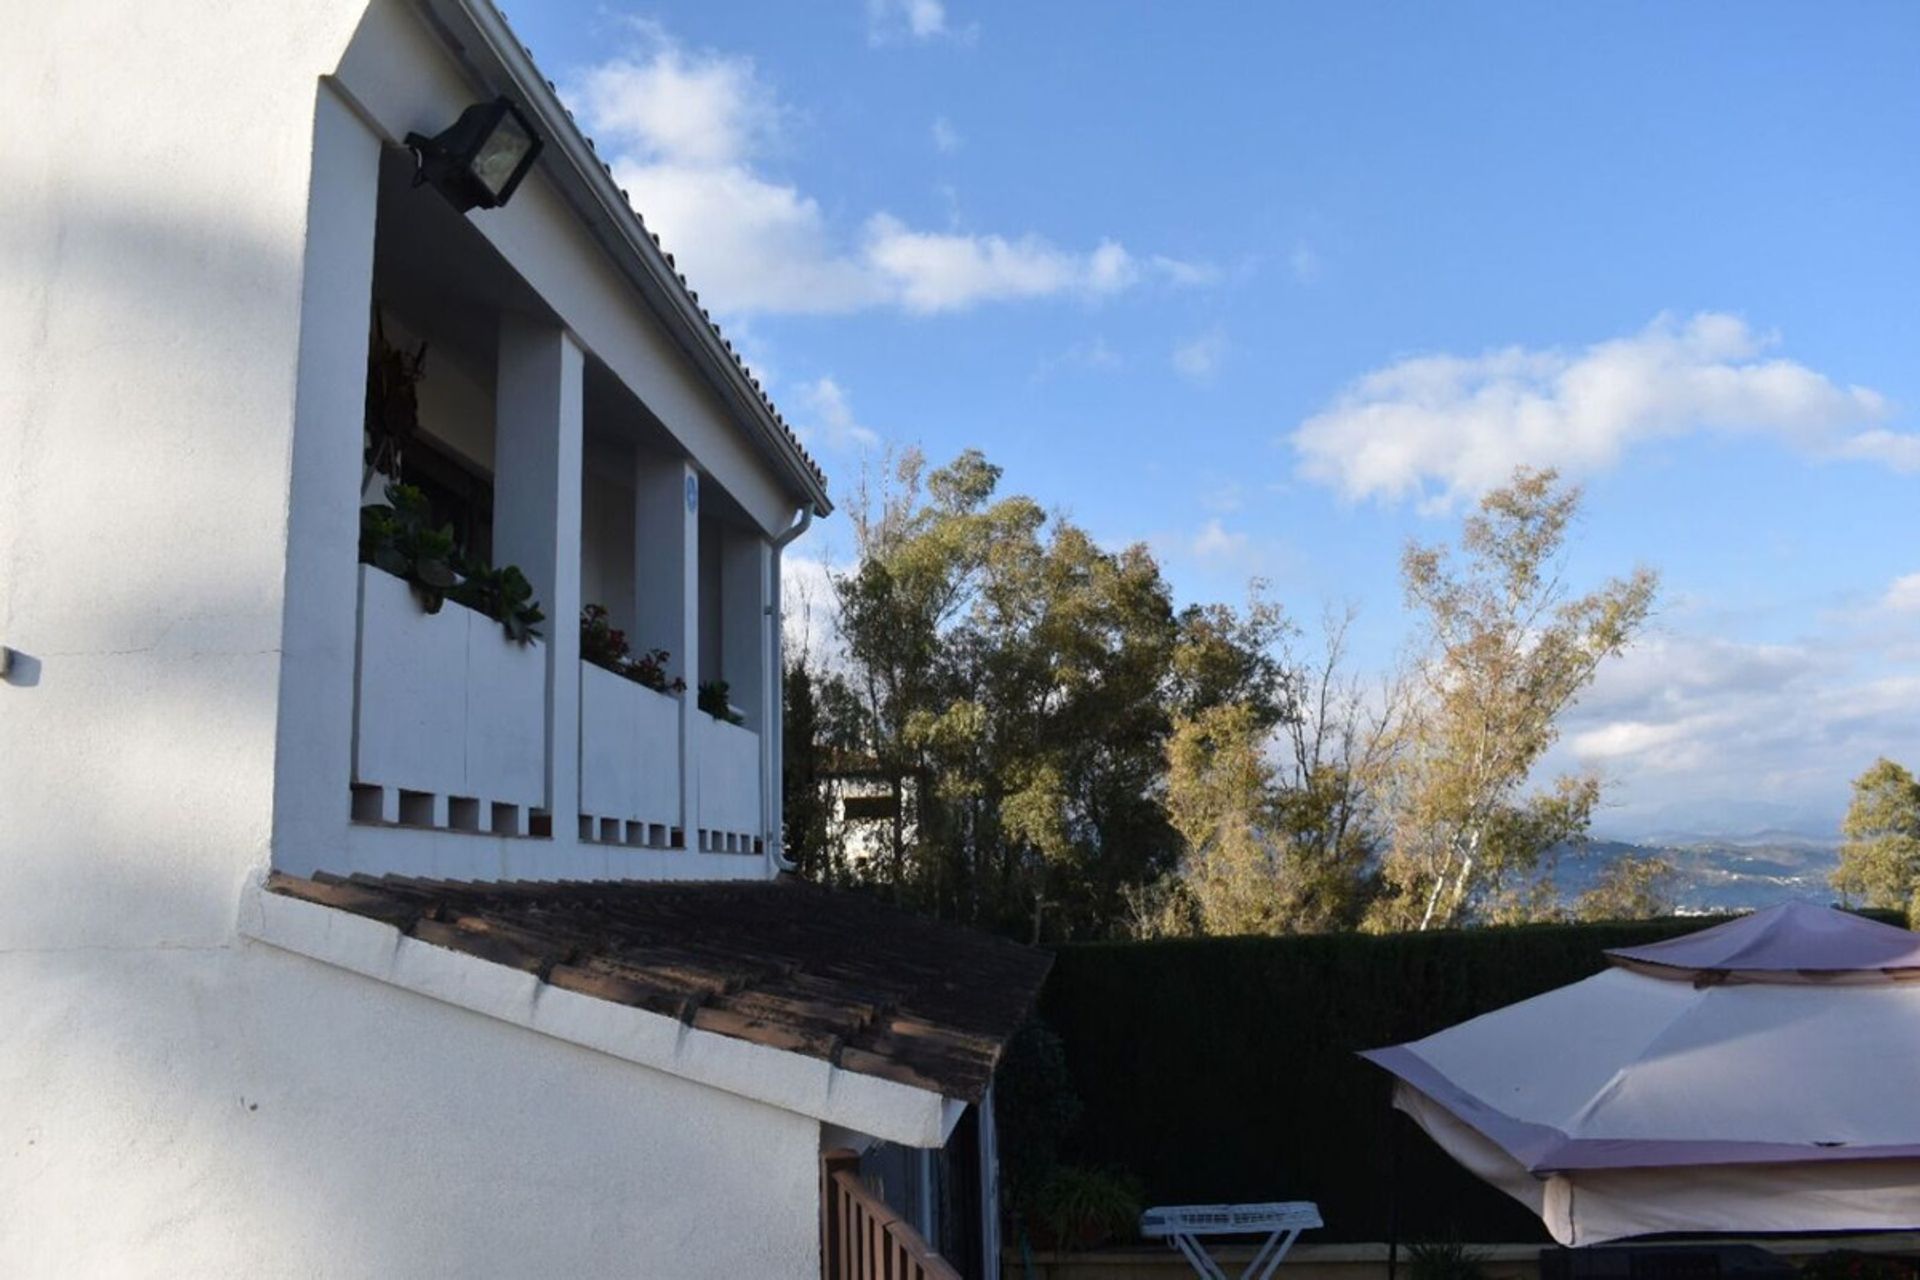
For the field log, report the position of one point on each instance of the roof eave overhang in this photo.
(490, 47)
(819, 1090)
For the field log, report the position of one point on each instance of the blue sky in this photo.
(1275, 287)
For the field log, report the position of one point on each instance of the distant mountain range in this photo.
(1717, 874)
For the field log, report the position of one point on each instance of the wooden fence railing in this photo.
(861, 1238)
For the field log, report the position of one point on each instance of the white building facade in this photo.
(210, 217)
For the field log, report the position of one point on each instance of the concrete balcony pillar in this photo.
(666, 606)
(313, 746)
(745, 652)
(536, 520)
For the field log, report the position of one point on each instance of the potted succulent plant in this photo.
(398, 537)
(629, 736)
(713, 701)
(418, 725)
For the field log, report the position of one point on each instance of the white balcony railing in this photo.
(629, 761)
(728, 792)
(450, 725)
(449, 715)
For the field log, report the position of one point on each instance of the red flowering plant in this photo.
(650, 669)
(605, 646)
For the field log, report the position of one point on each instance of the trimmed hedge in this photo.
(1223, 1069)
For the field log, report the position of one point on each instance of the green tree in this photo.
(820, 733)
(1270, 784)
(1630, 888)
(1505, 649)
(1342, 742)
(1880, 859)
(803, 791)
(1238, 870)
(1013, 678)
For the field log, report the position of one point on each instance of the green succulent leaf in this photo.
(434, 573)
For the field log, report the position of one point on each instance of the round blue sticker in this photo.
(693, 493)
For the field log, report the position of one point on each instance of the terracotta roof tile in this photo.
(831, 975)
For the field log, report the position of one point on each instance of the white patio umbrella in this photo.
(1761, 1075)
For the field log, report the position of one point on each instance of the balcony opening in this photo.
(633, 662)
(733, 675)
(436, 619)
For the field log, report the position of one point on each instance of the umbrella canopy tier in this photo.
(1631, 1102)
(1623, 1070)
(1794, 942)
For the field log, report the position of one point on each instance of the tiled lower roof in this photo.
(824, 973)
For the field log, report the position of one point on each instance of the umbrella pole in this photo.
(1393, 1193)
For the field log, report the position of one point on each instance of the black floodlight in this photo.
(478, 161)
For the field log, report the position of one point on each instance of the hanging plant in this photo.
(393, 400)
(713, 701)
(399, 539)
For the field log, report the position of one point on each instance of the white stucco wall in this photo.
(177, 1100)
(239, 1111)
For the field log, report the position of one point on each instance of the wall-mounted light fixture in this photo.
(480, 158)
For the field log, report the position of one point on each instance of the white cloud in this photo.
(1304, 262)
(946, 138)
(1760, 734)
(1898, 451)
(688, 131)
(1903, 596)
(1218, 552)
(831, 418)
(1226, 496)
(747, 244)
(1199, 358)
(945, 271)
(1093, 355)
(916, 20)
(1180, 272)
(685, 109)
(1215, 542)
(1443, 427)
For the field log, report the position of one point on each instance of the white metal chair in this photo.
(1184, 1225)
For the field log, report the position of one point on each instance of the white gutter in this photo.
(577, 169)
(773, 751)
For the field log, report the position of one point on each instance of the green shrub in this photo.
(1081, 1208)
(1223, 1069)
(1444, 1260)
(1034, 1109)
(1851, 1264)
